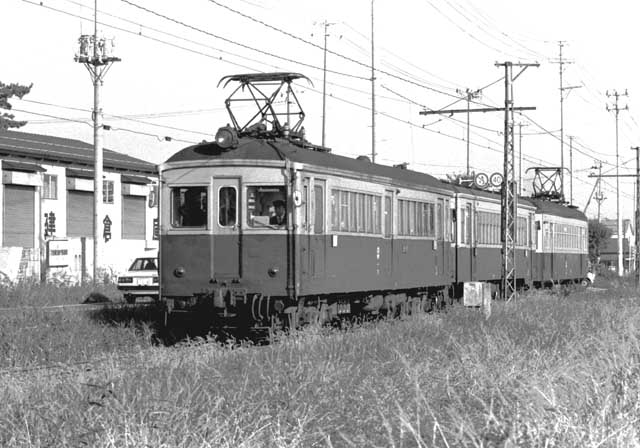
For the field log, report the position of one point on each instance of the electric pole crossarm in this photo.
(484, 109)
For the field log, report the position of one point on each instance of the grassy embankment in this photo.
(546, 371)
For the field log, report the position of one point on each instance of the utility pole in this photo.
(373, 94)
(616, 108)
(636, 259)
(599, 196)
(570, 170)
(509, 186)
(469, 95)
(561, 62)
(96, 56)
(520, 156)
(324, 81)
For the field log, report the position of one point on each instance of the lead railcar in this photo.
(355, 237)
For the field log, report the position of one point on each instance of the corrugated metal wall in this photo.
(18, 217)
(133, 222)
(79, 213)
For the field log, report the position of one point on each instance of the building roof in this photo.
(279, 149)
(45, 148)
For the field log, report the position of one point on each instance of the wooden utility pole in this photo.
(469, 95)
(616, 109)
(324, 81)
(636, 258)
(561, 62)
(373, 93)
(520, 156)
(570, 170)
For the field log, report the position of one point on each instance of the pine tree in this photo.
(6, 92)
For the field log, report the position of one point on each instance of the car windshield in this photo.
(144, 264)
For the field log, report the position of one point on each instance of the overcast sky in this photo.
(174, 53)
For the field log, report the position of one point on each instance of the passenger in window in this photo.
(192, 210)
(280, 218)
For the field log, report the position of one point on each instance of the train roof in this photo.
(553, 208)
(489, 194)
(250, 148)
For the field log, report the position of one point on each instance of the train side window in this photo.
(227, 206)
(189, 206)
(261, 206)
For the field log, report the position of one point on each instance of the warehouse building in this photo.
(46, 194)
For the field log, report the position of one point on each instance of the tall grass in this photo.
(545, 371)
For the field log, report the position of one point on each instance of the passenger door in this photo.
(226, 242)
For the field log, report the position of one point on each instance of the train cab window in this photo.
(227, 206)
(189, 206)
(266, 206)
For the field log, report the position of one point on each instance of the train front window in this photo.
(227, 207)
(189, 206)
(266, 206)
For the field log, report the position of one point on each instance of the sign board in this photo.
(57, 253)
(496, 179)
(107, 228)
(481, 180)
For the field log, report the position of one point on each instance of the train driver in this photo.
(280, 218)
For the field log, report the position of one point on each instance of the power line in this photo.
(230, 41)
(106, 127)
(121, 117)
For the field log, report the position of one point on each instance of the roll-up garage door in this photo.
(18, 217)
(79, 213)
(133, 225)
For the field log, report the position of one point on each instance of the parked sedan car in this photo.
(141, 280)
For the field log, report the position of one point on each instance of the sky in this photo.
(426, 53)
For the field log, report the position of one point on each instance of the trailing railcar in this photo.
(562, 246)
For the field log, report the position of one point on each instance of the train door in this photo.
(313, 250)
(441, 251)
(387, 250)
(473, 241)
(319, 243)
(226, 237)
(306, 258)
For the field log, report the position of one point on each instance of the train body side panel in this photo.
(489, 264)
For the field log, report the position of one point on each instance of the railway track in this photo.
(78, 307)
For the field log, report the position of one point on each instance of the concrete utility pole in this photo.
(636, 258)
(509, 186)
(616, 108)
(324, 80)
(373, 94)
(96, 56)
(469, 95)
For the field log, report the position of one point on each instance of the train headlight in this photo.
(227, 138)
(273, 271)
(179, 271)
